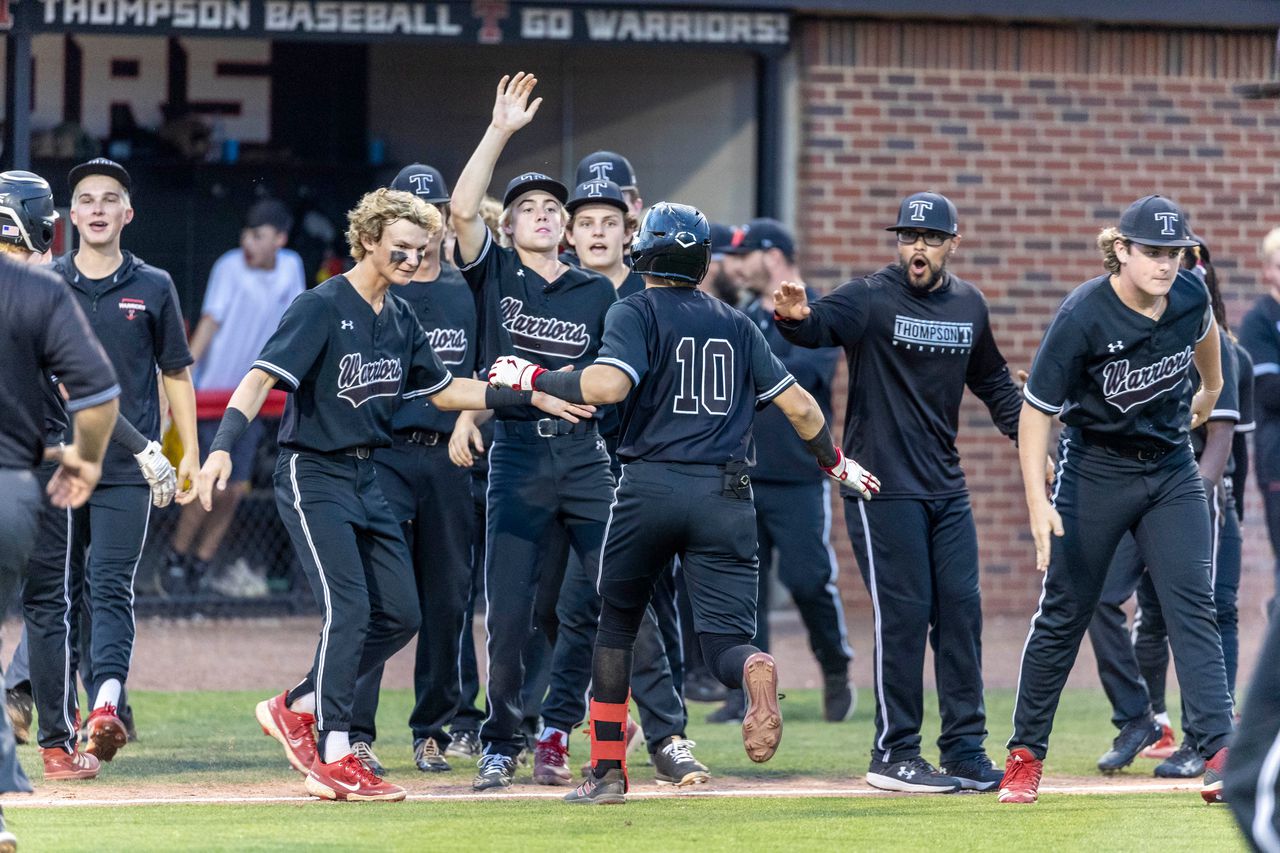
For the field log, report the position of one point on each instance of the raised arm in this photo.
(837, 319)
(511, 111)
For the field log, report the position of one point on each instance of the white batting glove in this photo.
(846, 472)
(159, 474)
(511, 371)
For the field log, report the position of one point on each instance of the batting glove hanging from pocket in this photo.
(158, 472)
(513, 372)
(846, 472)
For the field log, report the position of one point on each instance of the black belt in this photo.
(357, 452)
(1149, 452)
(424, 437)
(545, 428)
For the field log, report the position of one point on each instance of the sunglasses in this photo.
(909, 236)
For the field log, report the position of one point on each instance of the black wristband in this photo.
(233, 425)
(567, 384)
(823, 448)
(501, 398)
(127, 437)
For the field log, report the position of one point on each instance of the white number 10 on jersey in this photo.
(704, 377)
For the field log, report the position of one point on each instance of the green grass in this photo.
(194, 739)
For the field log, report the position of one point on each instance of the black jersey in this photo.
(781, 456)
(1260, 334)
(1227, 406)
(447, 312)
(633, 283)
(347, 367)
(552, 324)
(699, 368)
(43, 333)
(1244, 377)
(137, 318)
(910, 356)
(1116, 375)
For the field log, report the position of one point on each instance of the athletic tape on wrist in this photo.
(823, 448)
(234, 423)
(501, 398)
(567, 385)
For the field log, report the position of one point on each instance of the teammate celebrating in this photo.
(685, 442)
(915, 336)
(348, 351)
(601, 227)
(1114, 365)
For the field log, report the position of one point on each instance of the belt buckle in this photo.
(1148, 454)
(547, 428)
(431, 439)
(360, 452)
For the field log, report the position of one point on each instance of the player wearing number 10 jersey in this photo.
(699, 369)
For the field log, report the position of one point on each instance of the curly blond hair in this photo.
(490, 213)
(1107, 238)
(379, 209)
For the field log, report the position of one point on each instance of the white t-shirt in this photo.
(248, 304)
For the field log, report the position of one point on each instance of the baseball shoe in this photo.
(1185, 763)
(551, 761)
(608, 790)
(106, 733)
(762, 719)
(838, 698)
(464, 745)
(8, 843)
(701, 686)
(912, 775)
(364, 752)
(1021, 782)
(496, 771)
(427, 756)
(1214, 768)
(349, 779)
(60, 764)
(295, 731)
(674, 764)
(1163, 748)
(635, 737)
(1135, 735)
(974, 774)
(18, 704)
(735, 705)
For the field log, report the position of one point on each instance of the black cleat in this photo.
(913, 775)
(701, 686)
(18, 704)
(364, 752)
(674, 764)
(735, 705)
(1135, 735)
(464, 744)
(496, 771)
(839, 698)
(975, 774)
(608, 790)
(428, 757)
(1185, 763)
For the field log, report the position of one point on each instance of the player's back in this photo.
(700, 368)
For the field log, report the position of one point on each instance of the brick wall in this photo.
(1040, 135)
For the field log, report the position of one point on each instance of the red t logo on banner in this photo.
(6, 17)
(490, 13)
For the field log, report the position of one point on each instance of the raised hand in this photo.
(790, 301)
(511, 108)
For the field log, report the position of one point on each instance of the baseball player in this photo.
(601, 226)
(915, 336)
(684, 489)
(1253, 783)
(133, 309)
(1114, 366)
(431, 499)
(42, 333)
(349, 352)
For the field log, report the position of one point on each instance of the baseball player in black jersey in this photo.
(133, 309)
(601, 226)
(43, 333)
(699, 369)
(1253, 780)
(431, 499)
(915, 336)
(350, 352)
(1114, 367)
(550, 484)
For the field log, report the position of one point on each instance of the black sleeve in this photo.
(73, 354)
(483, 267)
(172, 352)
(1244, 376)
(767, 370)
(292, 350)
(1058, 365)
(1258, 336)
(1266, 394)
(836, 320)
(988, 378)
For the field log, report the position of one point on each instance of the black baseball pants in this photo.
(19, 523)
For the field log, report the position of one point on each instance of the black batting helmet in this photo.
(674, 243)
(26, 211)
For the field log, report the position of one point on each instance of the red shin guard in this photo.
(610, 749)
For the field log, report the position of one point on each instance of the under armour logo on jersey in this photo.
(348, 324)
(1167, 220)
(1115, 347)
(595, 189)
(601, 170)
(422, 183)
(918, 208)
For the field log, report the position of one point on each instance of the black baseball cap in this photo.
(721, 240)
(1155, 221)
(606, 166)
(530, 181)
(927, 212)
(269, 211)
(99, 166)
(425, 182)
(597, 192)
(761, 234)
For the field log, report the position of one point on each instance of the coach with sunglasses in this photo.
(914, 336)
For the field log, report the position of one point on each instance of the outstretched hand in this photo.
(791, 301)
(511, 108)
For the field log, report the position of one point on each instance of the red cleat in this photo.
(295, 731)
(1021, 782)
(551, 761)
(349, 779)
(106, 733)
(60, 764)
(1214, 769)
(1163, 748)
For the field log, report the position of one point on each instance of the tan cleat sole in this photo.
(106, 737)
(697, 777)
(270, 729)
(762, 722)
